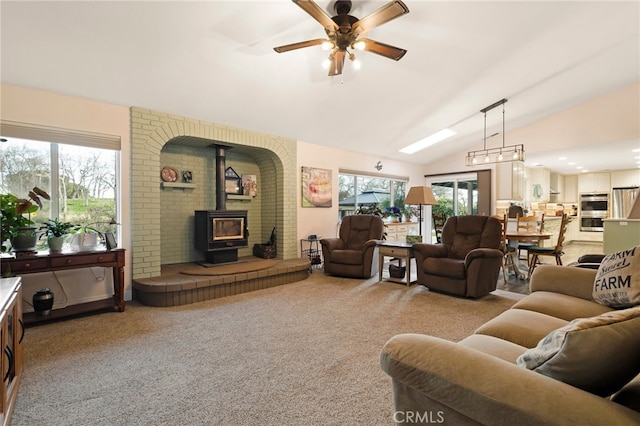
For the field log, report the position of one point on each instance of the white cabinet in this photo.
(398, 231)
(510, 181)
(570, 192)
(625, 178)
(540, 179)
(594, 182)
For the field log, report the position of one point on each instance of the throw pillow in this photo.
(598, 354)
(617, 282)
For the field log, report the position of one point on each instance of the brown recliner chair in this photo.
(468, 260)
(352, 254)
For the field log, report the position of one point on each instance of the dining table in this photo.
(525, 237)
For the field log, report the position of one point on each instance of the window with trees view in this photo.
(81, 180)
(356, 191)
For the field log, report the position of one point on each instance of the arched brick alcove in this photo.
(274, 156)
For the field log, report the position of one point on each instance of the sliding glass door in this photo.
(461, 194)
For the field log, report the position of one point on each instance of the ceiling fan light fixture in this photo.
(357, 64)
(343, 31)
(326, 63)
(327, 45)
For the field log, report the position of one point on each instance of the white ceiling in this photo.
(214, 61)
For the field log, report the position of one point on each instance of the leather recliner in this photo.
(352, 253)
(468, 260)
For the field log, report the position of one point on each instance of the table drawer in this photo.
(395, 251)
(87, 259)
(18, 266)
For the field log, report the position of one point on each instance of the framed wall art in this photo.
(317, 190)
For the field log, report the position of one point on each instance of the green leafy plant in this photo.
(16, 213)
(55, 228)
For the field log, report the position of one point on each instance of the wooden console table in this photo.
(51, 262)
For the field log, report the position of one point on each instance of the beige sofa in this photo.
(476, 381)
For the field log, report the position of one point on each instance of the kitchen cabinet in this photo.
(594, 182)
(540, 179)
(625, 178)
(510, 181)
(570, 192)
(12, 333)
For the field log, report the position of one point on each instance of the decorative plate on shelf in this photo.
(169, 174)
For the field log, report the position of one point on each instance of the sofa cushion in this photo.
(347, 257)
(490, 345)
(520, 326)
(617, 282)
(597, 354)
(561, 305)
(445, 267)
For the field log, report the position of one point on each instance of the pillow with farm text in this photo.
(617, 282)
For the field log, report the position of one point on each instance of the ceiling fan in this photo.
(345, 32)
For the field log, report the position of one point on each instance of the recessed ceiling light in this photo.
(578, 167)
(562, 158)
(428, 141)
(584, 171)
(572, 163)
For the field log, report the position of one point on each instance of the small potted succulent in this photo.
(17, 226)
(55, 231)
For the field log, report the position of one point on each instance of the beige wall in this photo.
(324, 221)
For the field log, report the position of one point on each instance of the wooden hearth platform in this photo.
(173, 288)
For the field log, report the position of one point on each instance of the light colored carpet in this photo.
(232, 268)
(302, 353)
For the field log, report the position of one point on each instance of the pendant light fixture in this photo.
(495, 155)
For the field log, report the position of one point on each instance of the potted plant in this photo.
(17, 226)
(55, 232)
(85, 237)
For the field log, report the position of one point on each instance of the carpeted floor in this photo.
(302, 353)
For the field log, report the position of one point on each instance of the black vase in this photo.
(43, 301)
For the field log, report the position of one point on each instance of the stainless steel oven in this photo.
(594, 208)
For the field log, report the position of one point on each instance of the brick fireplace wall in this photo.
(162, 223)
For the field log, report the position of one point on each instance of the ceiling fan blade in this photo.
(382, 49)
(338, 63)
(318, 14)
(299, 45)
(386, 13)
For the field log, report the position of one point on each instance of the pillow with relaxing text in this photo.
(598, 354)
(617, 282)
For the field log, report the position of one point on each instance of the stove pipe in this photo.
(221, 165)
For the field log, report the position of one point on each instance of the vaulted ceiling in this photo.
(214, 60)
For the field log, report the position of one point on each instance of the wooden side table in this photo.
(398, 250)
(48, 262)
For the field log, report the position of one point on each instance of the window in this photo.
(81, 180)
(357, 190)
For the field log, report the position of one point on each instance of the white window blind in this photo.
(12, 129)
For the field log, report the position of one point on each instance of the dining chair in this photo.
(438, 223)
(530, 223)
(508, 251)
(536, 251)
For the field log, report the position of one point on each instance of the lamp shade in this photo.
(420, 195)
